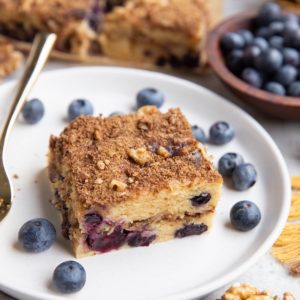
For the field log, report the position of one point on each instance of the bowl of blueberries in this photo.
(257, 55)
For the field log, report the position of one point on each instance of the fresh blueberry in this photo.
(199, 134)
(116, 113)
(252, 77)
(37, 235)
(276, 42)
(247, 35)
(269, 61)
(80, 107)
(292, 37)
(268, 13)
(232, 40)
(69, 277)
(245, 215)
(275, 88)
(244, 176)
(276, 28)
(291, 57)
(261, 43)
(191, 229)
(286, 75)
(221, 133)
(201, 199)
(228, 162)
(263, 32)
(150, 96)
(33, 111)
(294, 89)
(289, 18)
(235, 61)
(250, 54)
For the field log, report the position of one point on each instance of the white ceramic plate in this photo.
(178, 269)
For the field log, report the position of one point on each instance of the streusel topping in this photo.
(128, 158)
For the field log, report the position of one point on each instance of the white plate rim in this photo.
(264, 247)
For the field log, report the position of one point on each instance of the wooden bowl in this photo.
(282, 107)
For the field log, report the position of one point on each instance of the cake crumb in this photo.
(16, 176)
(101, 165)
(140, 155)
(117, 185)
(162, 151)
(98, 181)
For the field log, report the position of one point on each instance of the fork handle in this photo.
(38, 56)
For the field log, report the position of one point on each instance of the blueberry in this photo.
(199, 134)
(289, 18)
(37, 235)
(253, 77)
(150, 96)
(33, 111)
(294, 89)
(247, 35)
(191, 229)
(268, 13)
(116, 113)
(250, 54)
(291, 56)
(276, 42)
(292, 37)
(228, 162)
(269, 61)
(232, 40)
(275, 88)
(261, 43)
(69, 277)
(221, 133)
(276, 28)
(80, 107)
(286, 75)
(245, 215)
(201, 199)
(244, 176)
(235, 61)
(138, 239)
(263, 32)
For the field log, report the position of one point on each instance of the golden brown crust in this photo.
(93, 156)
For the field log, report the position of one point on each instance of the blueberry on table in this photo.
(253, 77)
(37, 235)
(250, 54)
(150, 96)
(199, 134)
(269, 61)
(221, 133)
(228, 162)
(294, 89)
(69, 277)
(286, 75)
(268, 13)
(291, 56)
(245, 215)
(261, 43)
(232, 40)
(33, 111)
(244, 176)
(247, 35)
(235, 61)
(276, 42)
(275, 88)
(80, 107)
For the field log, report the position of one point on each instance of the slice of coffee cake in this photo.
(131, 180)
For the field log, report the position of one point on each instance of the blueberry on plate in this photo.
(116, 113)
(69, 277)
(275, 88)
(276, 42)
(269, 61)
(291, 56)
(252, 77)
(232, 40)
(33, 111)
(199, 134)
(221, 133)
(286, 75)
(235, 61)
(261, 43)
(268, 13)
(247, 35)
(250, 54)
(244, 176)
(245, 215)
(150, 96)
(37, 235)
(228, 162)
(294, 89)
(80, 107)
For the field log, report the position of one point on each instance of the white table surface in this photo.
(267, 273)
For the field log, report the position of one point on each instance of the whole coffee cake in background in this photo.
(290, 4)
(131, 180)
(155, 32)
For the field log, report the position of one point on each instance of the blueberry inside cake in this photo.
(131, 180)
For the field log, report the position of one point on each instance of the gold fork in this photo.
(42, 46)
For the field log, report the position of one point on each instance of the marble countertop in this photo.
(267, 273)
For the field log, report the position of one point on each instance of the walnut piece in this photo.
(117, 185)
(162, 151)
(147, 110)
(141, 156)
